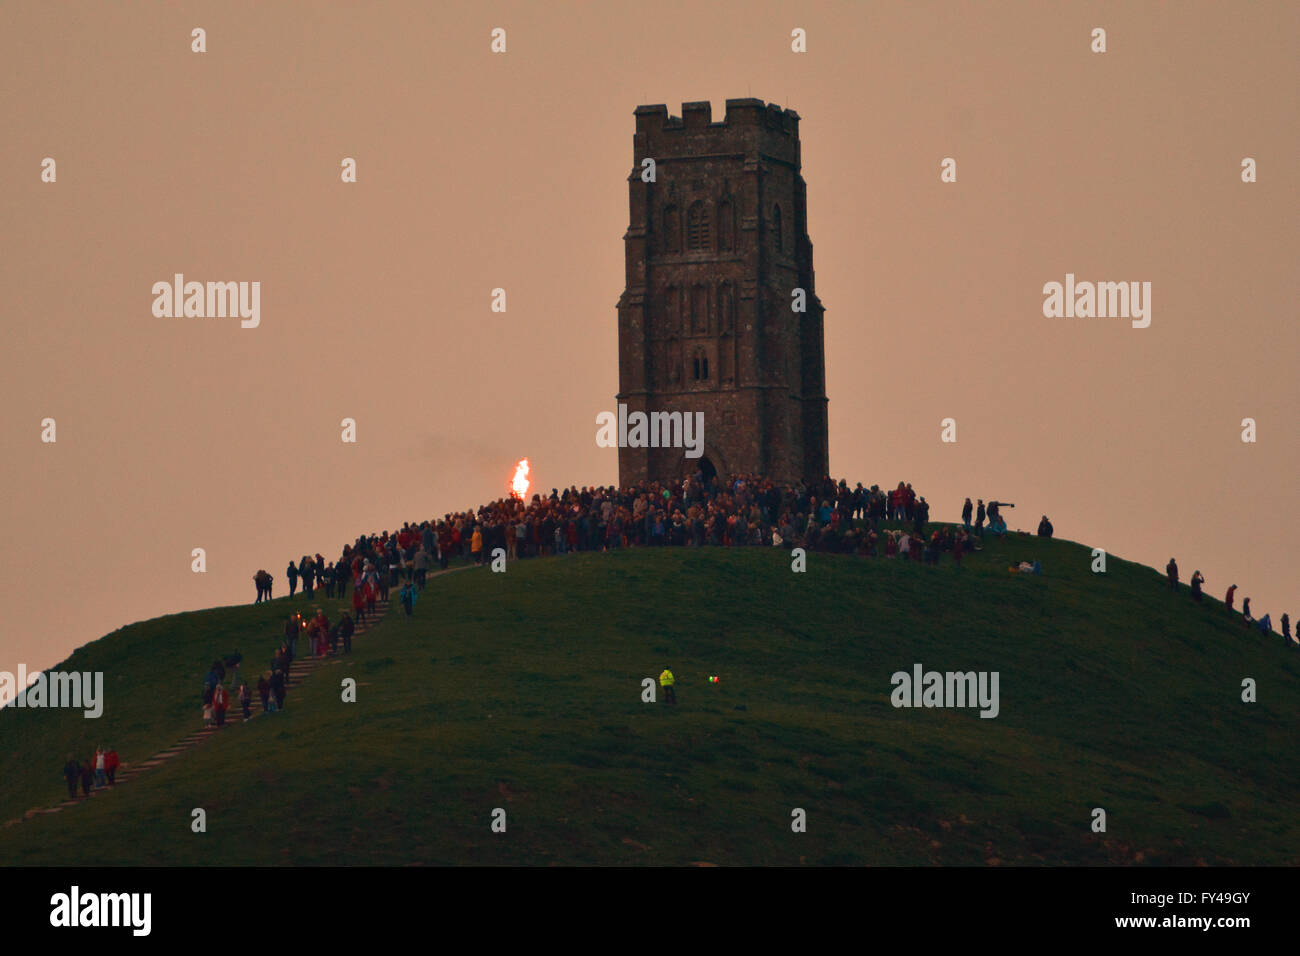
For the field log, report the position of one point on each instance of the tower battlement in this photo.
(699, 115)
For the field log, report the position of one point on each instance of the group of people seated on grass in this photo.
(1265, 623)
(98, 772)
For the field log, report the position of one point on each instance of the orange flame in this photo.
(519, 484)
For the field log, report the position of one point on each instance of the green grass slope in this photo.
(522, 691)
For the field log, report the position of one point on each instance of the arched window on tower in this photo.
(726, 226)
(777, 238)
(726, 308)
(672, 229)
(700, 366)
(699, 310)
(697, 226)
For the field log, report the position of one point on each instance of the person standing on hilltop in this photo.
(420, 565)
(966, 510)
(1286, 628)
(667, 681)
(1245, 612)
(1171, 569)
(979, 518)
(308, 571)
(292, 572)
(1230, 597)
(1197, 580)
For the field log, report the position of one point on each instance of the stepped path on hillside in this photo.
(301, 669)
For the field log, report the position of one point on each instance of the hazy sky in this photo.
(478, 171)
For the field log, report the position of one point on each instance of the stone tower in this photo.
(716, 247)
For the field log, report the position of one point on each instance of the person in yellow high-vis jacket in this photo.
(666, 681)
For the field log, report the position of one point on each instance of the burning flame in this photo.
(519, 484)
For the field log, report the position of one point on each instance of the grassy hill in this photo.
(523, 691)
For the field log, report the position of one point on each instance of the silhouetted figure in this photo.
(1198, 579)
(1045, 528)
(966, 510)
(346, 628)
(1230, 597)
(278, 689)
(1171, 569)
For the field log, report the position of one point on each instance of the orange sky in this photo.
(479, 170)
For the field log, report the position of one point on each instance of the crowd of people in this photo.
(743, 512)
(699, 511)
(96, 773)
(216, 697)
(1264, 624)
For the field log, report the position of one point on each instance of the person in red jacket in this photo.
(220, 701)
(1230, 597)
(111, 763)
